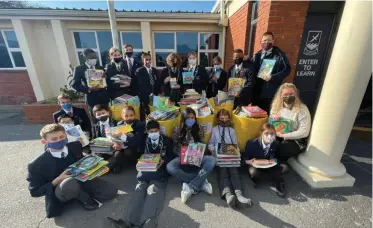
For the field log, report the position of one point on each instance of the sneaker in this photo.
(119, 223)
(207, 187)
(280, 188)
(90, 204)
(186, 193)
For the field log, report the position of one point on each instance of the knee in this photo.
(69, 185)
(210, 162)
(173, 165)
(253, 172)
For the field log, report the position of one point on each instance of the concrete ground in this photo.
(303, 206)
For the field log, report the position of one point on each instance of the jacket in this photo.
(79, 83)
(254, 149)
(80, 117)
(96, 129)
(136, 64)
(247, 72)
(200, 81)
(137, 138)
(280, 71)
(40, 177)
(174, 94)
(213, 87)
(141, 83)
(114, 88)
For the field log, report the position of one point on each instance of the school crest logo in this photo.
(312, 43)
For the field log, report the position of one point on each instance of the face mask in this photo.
(92, 62)
(59, 145)
(224, 123)
(117, 60)
(267, 46)
(189, 122)
(129, 121)
(148, 64)
(67, 106)
(153, 136)
(218, 67)
(238, 61)
(192, 62)
(67, 126)
(129, 54)
(289, 99)
(269, 138)
(103, 118)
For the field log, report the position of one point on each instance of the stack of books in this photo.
(149, 163)
(190, 97)
(192, 154)
(95, 78)
(128, 99)
(88, 168)
(222, 97)
(231, 157)
(103, 145)
(121, 79)
(167, 112)
(254, 112)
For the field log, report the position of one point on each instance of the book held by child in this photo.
(188, 77)
(228, 156)
(266, 68)
(149, 163)
(193, 154)
(235, 86)
(88, 168)
(282, 125)
(95, 78)
(76, 133)
(121, 79)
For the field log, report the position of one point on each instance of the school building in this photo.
(327, 43)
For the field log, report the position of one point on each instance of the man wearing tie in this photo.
(132, 64)
(145, 83)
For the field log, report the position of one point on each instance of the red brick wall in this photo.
(238, 33)
(286, 20)
(15, 88)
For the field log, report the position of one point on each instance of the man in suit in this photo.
(94, 95)
(79, 115)
(48, 175)
(244, 70)
(145, 83)
(132, 64)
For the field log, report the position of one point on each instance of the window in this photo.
(135, 39)
(205, 44)
(10, 53)
(254, 21)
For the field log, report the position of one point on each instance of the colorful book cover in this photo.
(254, 111)
(235, 86)
(232, 151)
(86, 163)
(94, 78)
(222, 97)
(266, 68)
(194, 154)
(124, 129)
(150, 158)
(283, 125)
(159, 101)
(173, 82)
(77, 133)
(188, 77)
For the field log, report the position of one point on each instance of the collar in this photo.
(238, 66)
(89, 66)
(68, 111)
(267, 52)
(106, 122)
(57, 154)
(154, 141)
(131, 58)
(148, 69)
(264, 145)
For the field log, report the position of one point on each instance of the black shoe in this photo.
(284, 168)
(119, 223)
(90, 204)
(280, 188)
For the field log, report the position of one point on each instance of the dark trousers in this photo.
(229, 180)
(265, 104)
(144, 110)
(237, 103)
(287, 149)
(271, 174)
(122, 158)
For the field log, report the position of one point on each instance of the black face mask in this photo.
(289, 99)
(238, 61)
(129, 54)
(103, 118)
(117, 60)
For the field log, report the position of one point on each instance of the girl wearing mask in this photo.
(229, 177)
(117, 66)
(194, 178)
(171, 76)
(201, 77)
(262, 150)
(287, 105)
(217, 79)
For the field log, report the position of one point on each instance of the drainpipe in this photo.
(224, 23)
(113, 23)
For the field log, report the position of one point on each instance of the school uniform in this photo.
(132, 65)
(214, 86)
(48, 166)
(200, 81)
(246, 71)
(79, 116)
(174, 94)
(114, 88)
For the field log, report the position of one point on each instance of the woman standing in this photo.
(217, 78)
(172, 77)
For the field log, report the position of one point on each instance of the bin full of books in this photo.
(168, 117)
(125, 100)
(222, 101)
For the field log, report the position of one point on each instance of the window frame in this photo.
(97, 49)
(219, 51)
(10, 50)
(253, 22)
(121, 40)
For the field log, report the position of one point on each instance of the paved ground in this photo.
(303, 207)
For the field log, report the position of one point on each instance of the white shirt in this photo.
(238, 67)
(192, 68)
(264, 52)
(118, 65)
(57, 154)
(70, 112)
(105, 125)
(89, 66)
(154, 141)
(148, 69)
(128, 61)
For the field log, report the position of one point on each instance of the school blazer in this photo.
(136, 140)
(79, 116)
(114, 89)
(79, 83)
(142, 86)
(136, 64)
(40, 180)
(200, 81)
(214, 87)
(254, 149)
(96, 129)
(248, 73)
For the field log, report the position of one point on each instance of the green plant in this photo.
(74, 95)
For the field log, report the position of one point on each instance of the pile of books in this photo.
(251, 112)
(192, 154)
(222, 97)
(102, 145)
(231, 157)
(235, 86)
(121, 79)
(88, 168)
(95, 78)
(190, 97)
(149, 163)
(166, 112)
(128, 99)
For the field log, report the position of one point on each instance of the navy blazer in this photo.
(96, 129)
(214, 87)
(136, 140)
(114, 88)
(136, 64)
(40, 177)
(141, 83)
(79, 83)
(174, 94)
(200, 81)
(80, 117)
(254, 149)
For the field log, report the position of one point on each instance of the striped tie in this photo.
(151, 77)
(130, 66)
(223, 144)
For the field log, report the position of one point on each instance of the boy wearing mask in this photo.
(132, 64)
(47, 175)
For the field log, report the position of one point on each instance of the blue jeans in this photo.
(194, 176)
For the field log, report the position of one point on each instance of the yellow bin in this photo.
(206, 124)
(226, 105)
(152, 108)
(116, 111)
(168, 126)
(246, 129)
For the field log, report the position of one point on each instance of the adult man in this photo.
(132, 64)
(78, 115)
(267, 86)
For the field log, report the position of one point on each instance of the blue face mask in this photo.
(67, 106)
(189, 122)
(58, 145)
(153, 136)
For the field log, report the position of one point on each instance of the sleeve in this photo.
(138, 138)
(284, 71)
(176, 134)
(38, 186)
(304, 119)
(248, 150)
(55, 118)
(135, 83)
(94, 133)
(86, 122)
(169, 151)
(250, 76)
(234, 136)
(180, 81)
(204, 80)
(76, 82)
(201, 133)
(222, 82)
(110, 72)
(158, 83)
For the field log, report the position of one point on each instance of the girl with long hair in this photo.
(172, 78)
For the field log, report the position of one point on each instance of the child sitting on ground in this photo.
(47, 175)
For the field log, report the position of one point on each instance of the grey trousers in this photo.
(229, 180)
(146, 203)
(97, 188)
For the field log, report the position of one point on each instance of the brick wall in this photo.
(238, 33)
(286, 20)
(15, 88)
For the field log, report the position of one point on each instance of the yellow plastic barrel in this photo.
(168, 126)
(206, 124)
(116, 110)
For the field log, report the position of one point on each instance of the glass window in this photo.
(105, 42)
(164, 40)
(209, 41)
(11, 38)
(18, 59)
(85, 39)
(205, 59)
(133, 38)
(5, 62)
(10, 53)
(186, 42)
(161, 58)
(81, 58)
